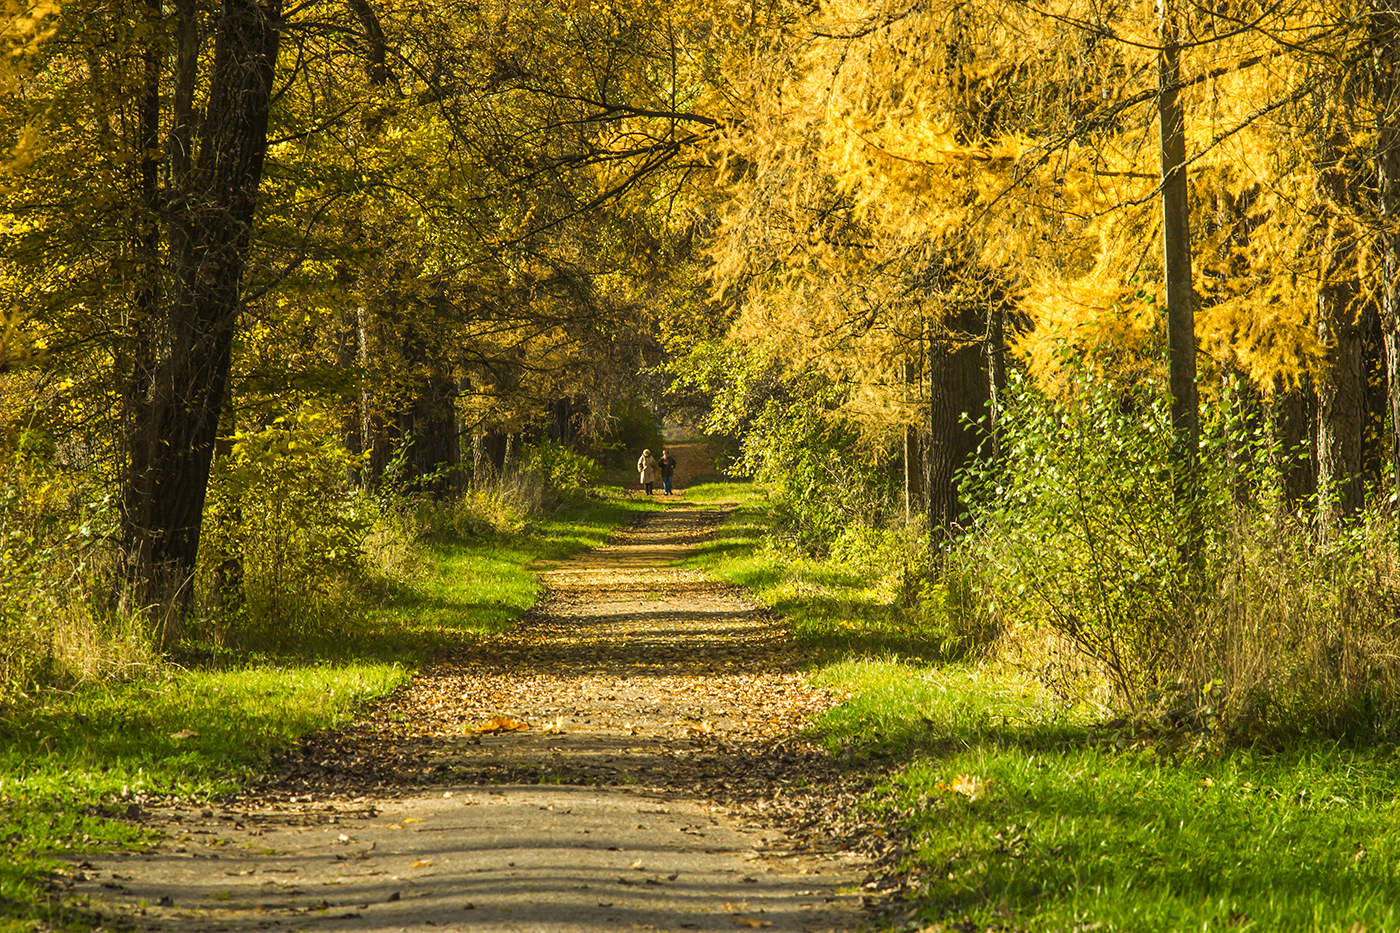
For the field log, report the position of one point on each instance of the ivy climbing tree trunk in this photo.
(210, 231)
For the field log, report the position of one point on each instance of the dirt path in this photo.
(649, 692)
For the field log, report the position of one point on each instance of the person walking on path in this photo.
(668, 469)
(646, 470)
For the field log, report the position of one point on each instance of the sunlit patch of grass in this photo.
(719, 491)
(72, 763)
(832, 608)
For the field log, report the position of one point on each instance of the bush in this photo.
(1077, 555)
(561, 468)
(286, 533)
(1078, 533)
(58, 621)
(808, 459)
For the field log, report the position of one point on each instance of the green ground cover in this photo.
(71, 761)
(1024, 814)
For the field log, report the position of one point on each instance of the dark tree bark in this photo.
(433, 455)
(1176, 259)
(915, 472)
(176, 424)
(1292, 424)
(958, 395)
(1341, 384)
(1384, 22)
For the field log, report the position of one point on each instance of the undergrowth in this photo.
(1018, 810)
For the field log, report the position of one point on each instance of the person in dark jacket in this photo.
(668, 469)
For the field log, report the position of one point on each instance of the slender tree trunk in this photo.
(995, 348)
(1176, 256)
(1341, 387)
(1385, 43)
(176, 427)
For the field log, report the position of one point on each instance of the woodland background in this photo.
(291, 287)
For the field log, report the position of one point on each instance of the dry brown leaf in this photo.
(751, 922)
(498, 724)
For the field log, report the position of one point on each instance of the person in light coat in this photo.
(647, 468)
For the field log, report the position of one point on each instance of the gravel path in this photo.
(622, 759)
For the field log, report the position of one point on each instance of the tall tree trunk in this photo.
(210, 235)
(1341, 389)
(1385, 43)
(1176, 260)
(958, 394)
(433, 449)
(994, 347)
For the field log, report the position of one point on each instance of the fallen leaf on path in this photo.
(751, 922)
(554, 727)
(699, 727)
(498, 724)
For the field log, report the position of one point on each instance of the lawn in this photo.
(1020, 813)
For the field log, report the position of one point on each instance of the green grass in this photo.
(1024, 814)
(69, 762)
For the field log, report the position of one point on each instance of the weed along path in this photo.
(562, 776)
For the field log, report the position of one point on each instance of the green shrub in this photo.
(1078, 554)
(286, 532)
(560, 467)
(59, 622)
(1078, 532)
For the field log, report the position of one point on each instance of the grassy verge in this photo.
(71, 763)
(1022, 814)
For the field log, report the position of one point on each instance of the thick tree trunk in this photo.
(176, 426)
(433, 451)
(958, 394)
(1341, 384)
(1176, 260)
